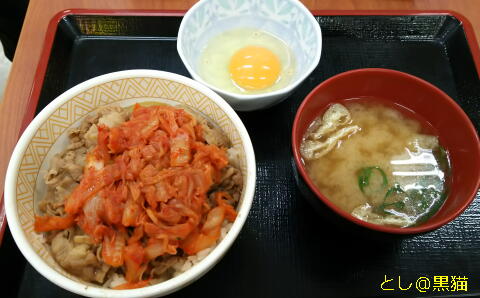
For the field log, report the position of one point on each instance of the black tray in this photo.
(286, 249)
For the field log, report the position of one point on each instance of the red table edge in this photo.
(52, 28)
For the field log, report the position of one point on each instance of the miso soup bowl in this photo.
(456, 133)
(47, 134)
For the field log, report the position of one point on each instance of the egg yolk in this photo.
(254, 68)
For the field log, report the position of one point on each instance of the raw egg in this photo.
(247, 61)
(254, 68)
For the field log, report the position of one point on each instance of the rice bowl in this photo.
(30, 159)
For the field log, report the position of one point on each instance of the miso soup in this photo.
(378, 162)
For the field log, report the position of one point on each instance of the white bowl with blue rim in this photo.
(289, 20)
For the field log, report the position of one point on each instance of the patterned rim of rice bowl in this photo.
(47, 135)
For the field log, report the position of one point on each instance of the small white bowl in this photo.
(289, 20)
(47, 135)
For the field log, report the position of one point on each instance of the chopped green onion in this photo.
(366, 173)
(396, 189)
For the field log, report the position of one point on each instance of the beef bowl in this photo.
(131, 184)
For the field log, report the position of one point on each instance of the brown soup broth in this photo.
(395, 142)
